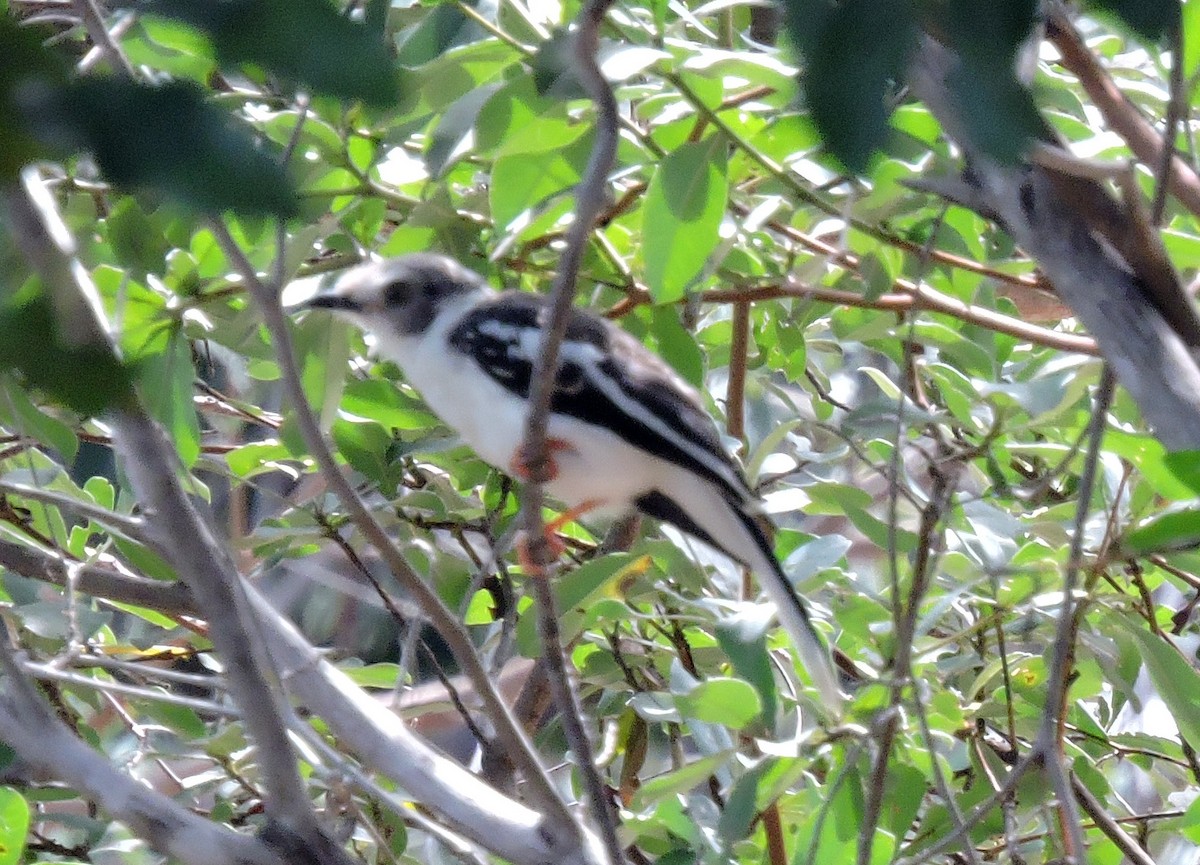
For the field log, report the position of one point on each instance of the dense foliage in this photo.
(907, 395)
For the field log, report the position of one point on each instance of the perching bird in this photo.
(625, 432)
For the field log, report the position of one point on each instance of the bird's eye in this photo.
(397, 294)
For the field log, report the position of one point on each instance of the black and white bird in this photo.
(625, 431)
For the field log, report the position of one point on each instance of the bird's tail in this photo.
(793, 614)
(732, 529)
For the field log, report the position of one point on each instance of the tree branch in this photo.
(183, 536)
(30, 728)
(100, 581)
(1121, 115)
(590, 199)
(1142, 321)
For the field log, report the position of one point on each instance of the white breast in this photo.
(491, 420)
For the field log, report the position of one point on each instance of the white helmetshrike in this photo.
(625, 432)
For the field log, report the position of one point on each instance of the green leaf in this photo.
(134, 132)
(167, 385)
(256, 457)
(995, 31)
(678, 781)
(383, 675)
(28, 69)
(756, 790)
(1190, 822)
(677, 345)
(1185, 466)
(523, 181)
(14, 823)
(87, 379)
(999, 112)
(1179, 530)
(684, 205)
(364, 444)
(575, 592)
(854, 54)
(1176, 679)
(32, 421)
(307, 41)
(731, 702)
(1170, 475)
(743, 639)
(554, 67)
(136, 240)
(1150, 19)
(384, 403)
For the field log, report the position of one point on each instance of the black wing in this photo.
(605, 378)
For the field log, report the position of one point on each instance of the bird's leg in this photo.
(526, 468)
(531, 558)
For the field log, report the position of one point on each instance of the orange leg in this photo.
(521, 466)
(530, 559)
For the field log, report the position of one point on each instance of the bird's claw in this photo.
(538, 552)
(526, 467)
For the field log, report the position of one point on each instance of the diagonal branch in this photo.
(1120, 114)
(182, 535)
(1127, 298)
(30, 728)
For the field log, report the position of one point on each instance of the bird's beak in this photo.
(331, 301)
(346, 292)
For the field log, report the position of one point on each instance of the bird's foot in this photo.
(527, 468)
(538, 553)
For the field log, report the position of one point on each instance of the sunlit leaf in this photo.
(14, 822)
(683, 210)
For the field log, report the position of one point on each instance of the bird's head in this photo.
(401, 295)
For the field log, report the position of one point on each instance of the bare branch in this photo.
(89, 13)
(105, 580)
(1120, 114)
(1110, 827)
(590, 198)
(1126, 297)
(915, 296)
(183, 536)
(134, 528)
(469, 805)
(1062, 657)
(29, 727)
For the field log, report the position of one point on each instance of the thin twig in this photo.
(1175, 106)
(1049, 741)
(912, 296)
(134, 528)
(89, 13)
(589, 201)
(52, 673)
(735, 391)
